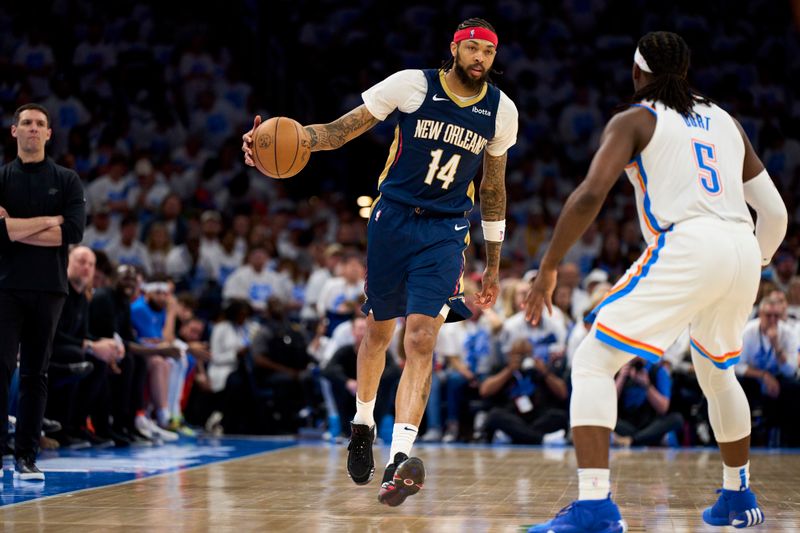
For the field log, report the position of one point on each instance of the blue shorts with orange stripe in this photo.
(415, 262)
(703, 274)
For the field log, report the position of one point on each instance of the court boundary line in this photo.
(292, 444)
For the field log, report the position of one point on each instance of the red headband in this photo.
(476, 32)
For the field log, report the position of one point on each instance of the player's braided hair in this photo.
(667, 55)
(474, 22)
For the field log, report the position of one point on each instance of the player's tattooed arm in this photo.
(346, 128)
(493, 201)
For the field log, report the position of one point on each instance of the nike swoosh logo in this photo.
(737, 522)
(437, 99)
(409, 429)
(459, 228)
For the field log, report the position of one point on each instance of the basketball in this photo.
(281, 147)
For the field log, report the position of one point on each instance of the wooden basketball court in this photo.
(304, 488)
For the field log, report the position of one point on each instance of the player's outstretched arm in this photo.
(624, 136)
(323, 136)
(346, 128)
(493, 214)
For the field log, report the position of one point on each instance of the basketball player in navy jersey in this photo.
(694, 172)
(451, 121)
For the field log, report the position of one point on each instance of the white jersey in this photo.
(692, 167)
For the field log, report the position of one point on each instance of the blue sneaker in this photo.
(601, 516)
(734, 508)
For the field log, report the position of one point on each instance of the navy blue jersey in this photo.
(438, 149)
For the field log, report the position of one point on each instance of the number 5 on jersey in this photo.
(705, 157)
(446, 173)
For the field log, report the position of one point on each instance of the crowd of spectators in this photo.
(244, 292)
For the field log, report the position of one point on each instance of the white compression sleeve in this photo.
(760, 193)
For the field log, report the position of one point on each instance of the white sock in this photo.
(593, 483)
(736, 477)
(403, 437)
(364, 412)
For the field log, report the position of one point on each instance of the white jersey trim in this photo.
(405, 91)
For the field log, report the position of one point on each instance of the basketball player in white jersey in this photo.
(694, 172)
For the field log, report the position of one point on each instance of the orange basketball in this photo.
(281, 147)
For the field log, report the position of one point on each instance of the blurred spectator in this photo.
(281, 363)
(586, 250)
(341, 372)
(644, 390)
(326, 261)
(223, 261)
(100, 233)
(230, 343)
(110, 317)
(169, 215)
(768, 368)
(255, 283)
(158, 245)
(548, 337)
(126, 249)
(793, 299)
(531, 393)
(67, 111)
(581, 328)
(35, 58)
(466, 352)
(784, 268)
(569, 276)
(165, 375)
(190, 271)
(111, 189)
(611, 259)
(340, 295)
(78, 366)
(211, 229)
(148, 189)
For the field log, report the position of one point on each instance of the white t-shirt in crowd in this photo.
(256, 287)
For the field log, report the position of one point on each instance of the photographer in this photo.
(531, 393)
(644, 390)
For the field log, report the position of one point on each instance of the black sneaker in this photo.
(94, 440)
(25, 469)
(360, 463)
(403, 478)
(119, 440)
(137, 439)
(70, 442)
(8, 450)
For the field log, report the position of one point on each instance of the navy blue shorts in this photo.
(415, 263)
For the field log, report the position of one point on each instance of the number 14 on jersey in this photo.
(446, 173)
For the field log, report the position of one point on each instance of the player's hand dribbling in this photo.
(540, 295)
(247, 143)
(490, 287)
